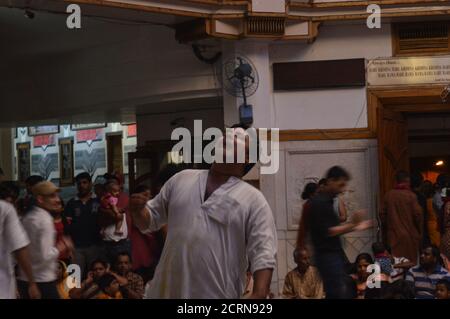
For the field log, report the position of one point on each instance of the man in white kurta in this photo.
(210, 243)
(12, 238)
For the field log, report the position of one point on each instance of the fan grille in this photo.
(232, 82)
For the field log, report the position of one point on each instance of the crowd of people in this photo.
(222, 243)
(411, 256)
(92, 231)
(220, 227)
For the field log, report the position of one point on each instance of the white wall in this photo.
(156, 127)
(331, 108)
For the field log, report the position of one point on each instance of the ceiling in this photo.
(47, 33)
(27, 41)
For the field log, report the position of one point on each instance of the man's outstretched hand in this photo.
(366, 224)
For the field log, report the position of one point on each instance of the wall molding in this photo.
(326, 134)
(210, 11)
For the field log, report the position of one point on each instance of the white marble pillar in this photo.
(263, 111)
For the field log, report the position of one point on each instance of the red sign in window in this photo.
(132, 130)
(89, 135)
(43, 140)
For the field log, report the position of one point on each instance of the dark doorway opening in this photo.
(429, 144)
(115, 153)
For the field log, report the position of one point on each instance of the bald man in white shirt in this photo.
(44, 251)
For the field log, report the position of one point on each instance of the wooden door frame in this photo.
(404, 99)
(107, 135)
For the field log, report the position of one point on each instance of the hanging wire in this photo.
(119, 21)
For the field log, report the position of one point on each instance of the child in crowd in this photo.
(109, 288)
(384, 261)
(443, 289)
(382, 258)
(109, 201)
(398, 265)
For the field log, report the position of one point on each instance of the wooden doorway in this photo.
(114, 152)
(387, 108)
(393, 146)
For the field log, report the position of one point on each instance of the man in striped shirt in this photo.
(425, 275)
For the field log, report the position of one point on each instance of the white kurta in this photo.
(12, 238)
(40, 228)
(209, 244)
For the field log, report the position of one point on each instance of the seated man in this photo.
(425, 275)
(303, 282)
(131, 284)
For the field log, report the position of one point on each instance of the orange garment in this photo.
(102, 295)
(62, 284)
(433, 226)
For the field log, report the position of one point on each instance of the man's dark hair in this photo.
(98, 261)
(141, 188)
(378, 248)
(435, 251)
(105, 281)
(322, 181)
(337, 172)
(416, 179)
(83, 176)
(33, 180)
(444, 282)
(9, 189)
(401, 176)
(297, 251)
(121, 254)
